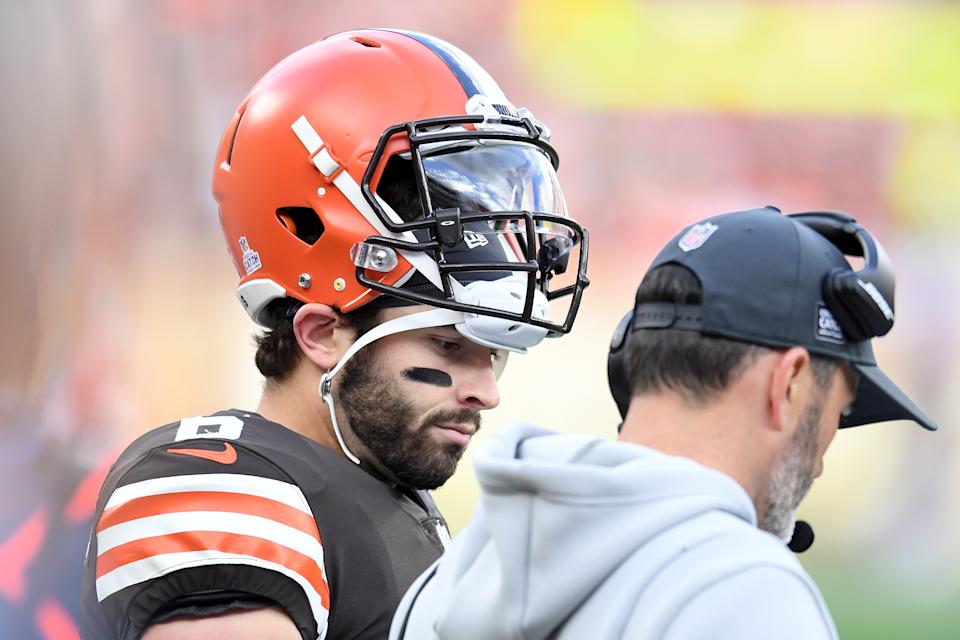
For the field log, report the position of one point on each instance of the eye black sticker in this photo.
(434, 377)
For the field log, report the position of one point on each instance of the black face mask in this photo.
(484, 203)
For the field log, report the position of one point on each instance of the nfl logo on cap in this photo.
(697, 235)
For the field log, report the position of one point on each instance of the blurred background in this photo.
(120, 312)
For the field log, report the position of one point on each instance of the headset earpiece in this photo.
(854, 308)
(861, 301)
(832, 284)
(617, 376)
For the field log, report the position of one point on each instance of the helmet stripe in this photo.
(473, 78)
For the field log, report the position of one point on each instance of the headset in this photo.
(861, 300)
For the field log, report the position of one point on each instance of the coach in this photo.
(748, 347)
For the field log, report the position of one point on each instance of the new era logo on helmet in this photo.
(697, 235)
(475, 240)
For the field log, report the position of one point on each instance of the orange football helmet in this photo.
(388, 162)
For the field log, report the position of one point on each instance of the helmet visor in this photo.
(491, 177)
(502, 202)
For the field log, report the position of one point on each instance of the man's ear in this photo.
(787, 394)
(313, 326)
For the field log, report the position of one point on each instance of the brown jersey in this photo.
(232, 511)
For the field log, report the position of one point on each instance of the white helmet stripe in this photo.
(343, 181)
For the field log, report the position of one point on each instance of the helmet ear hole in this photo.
(303, 222)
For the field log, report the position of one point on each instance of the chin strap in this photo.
(422, 320)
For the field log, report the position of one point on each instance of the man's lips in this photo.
(457, 433)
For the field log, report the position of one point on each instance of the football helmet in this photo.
(389, 162)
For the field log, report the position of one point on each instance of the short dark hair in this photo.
(695, 366)
(277, 350)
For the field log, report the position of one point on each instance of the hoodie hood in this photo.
(557, 516)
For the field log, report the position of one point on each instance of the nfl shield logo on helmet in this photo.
(697, 235)
(251, 259)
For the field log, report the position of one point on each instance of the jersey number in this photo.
(225, 427)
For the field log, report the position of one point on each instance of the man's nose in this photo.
(478, 388)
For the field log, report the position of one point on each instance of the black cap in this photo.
(762, 275)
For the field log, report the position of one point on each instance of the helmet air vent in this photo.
(302, 222)
(233, 137)
(367, 42)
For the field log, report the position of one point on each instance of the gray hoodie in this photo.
(578, 537)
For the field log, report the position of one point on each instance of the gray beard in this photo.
(792, 477)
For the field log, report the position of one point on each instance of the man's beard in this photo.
(793, 476)
(382, 417)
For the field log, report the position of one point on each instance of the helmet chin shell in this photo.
(506, 294)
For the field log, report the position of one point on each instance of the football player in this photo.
(397, 226)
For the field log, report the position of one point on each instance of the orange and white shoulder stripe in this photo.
(154, 527)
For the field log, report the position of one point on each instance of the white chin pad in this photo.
(506, 294)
